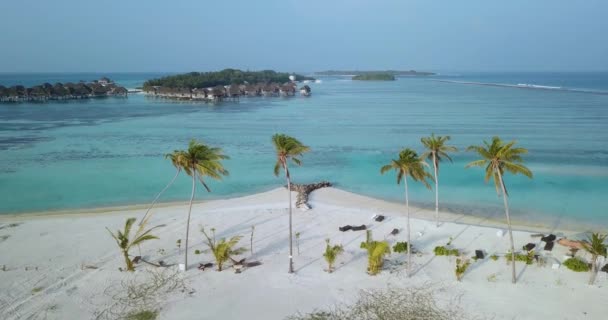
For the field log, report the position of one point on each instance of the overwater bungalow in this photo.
(216, 93)
(287, 90)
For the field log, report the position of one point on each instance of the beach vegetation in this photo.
(298, 242)
(376, 250)
(576, 264)
(462, 265)
(527, 258)
(37, 289)
(392, 304)
(199, 161)
(436, 151)
(142, 315)
(125, 242)
(494, 257)
(379, 76)
(251, 239)
(499, 157)
(400, 247)
(596, 247)
(444, 251)
(222, 250)
(331, 253)
(222, 78)
(408, 164)
(288, 148)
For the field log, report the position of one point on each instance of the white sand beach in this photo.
(66, 266)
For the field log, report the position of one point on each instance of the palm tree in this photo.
(408, 164)
(498, 157)
(436, 151)
(596, 246)
(174, 157)
(125, 243)
(287, 148)
(199, 161)
(223, 250)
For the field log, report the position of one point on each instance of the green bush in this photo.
(494, 257)
(400, 247)
(527, 258)
(443, 251)
(142, 315)
(577, 265)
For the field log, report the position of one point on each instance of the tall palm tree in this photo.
(173, 157)
(436, 150)
(199, 161)
(408, 165)
(499, 157)
(286, 148)
(596, 246)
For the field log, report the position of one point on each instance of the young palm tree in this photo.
(125, 243)
(287, 148)
(596, 246)
(408, 165)
(223, 250)
(331, 253)
(199, 161)
(499, 157)
(173, 157)
(436, 150)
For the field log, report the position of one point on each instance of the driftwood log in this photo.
(304, 190)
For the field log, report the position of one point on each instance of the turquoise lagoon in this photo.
(107, 152)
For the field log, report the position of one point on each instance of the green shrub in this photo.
(142, 315)
(521, 257)
(577, 265)
(461, 268)
(443, 251)
(400, 247)
(494, 257)
(331, 253)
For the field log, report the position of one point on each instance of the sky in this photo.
(303, 35)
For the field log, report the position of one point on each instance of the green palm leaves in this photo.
(223, 249)
(200, 160)
(286, 148)
(436, 151)
(125, 242)
(408, 164)
(376, 250)
(596, 246)
(499, 157)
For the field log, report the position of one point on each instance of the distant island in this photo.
(226, 84)
(103, 87)
(375, 77)
(359, 72)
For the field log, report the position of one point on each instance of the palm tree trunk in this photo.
(189, 212)
(436, 191)
(504, 197)
(158, 196)
(128, 261)
(409, 242)
(290, 228)
(593, 270)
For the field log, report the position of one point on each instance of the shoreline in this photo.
(446, 216)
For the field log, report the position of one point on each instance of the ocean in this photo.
(108, 152)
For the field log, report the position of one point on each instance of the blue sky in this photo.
(303, 35)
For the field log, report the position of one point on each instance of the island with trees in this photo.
(227, 84)
(375, 77)
(103, 87)
(395, 73)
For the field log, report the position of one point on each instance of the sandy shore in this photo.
(65, 266)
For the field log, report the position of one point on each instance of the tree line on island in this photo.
(498, 158)
(228, 83)
(103, 87)
(359, 72)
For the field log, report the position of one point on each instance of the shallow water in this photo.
(110, 151)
